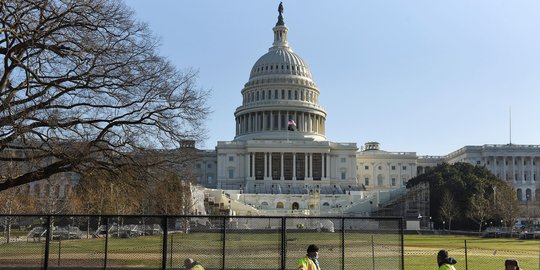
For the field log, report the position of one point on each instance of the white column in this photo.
(252, 165)
(305, 166)
(265, 176)
(294, 166)
(247, 161)
(495, 165)
(311, 166)
(264, 120)
(279, 120)
(327, 162)
(323, 166)
(514, 169)
(271, 120)
(270, 166)
(282, 176)
(504, 169)
(522, 169)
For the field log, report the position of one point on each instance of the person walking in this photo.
(445, 262)
(191, 264)
(311, 260)
(511, 264)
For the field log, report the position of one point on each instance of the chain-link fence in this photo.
(474, 254)
(217, 242)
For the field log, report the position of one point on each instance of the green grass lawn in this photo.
(257, 251)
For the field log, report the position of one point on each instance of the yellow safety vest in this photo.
(447, 267)
(307, 264)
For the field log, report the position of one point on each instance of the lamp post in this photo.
(370, 207)
(430, 224)
(443, 222)
(420, 220)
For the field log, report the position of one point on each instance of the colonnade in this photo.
(277, 120)
(287, 166)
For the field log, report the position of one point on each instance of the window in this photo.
(366, 181)
(343, 175)
(289, 94)
(209, 166)
(343, 160)
(404, 167)
(282, 94)
(257, 96)
(198, 165)
(393, 168)
(279, 205)
(380, 167)
(209, 179)
(380, 180)
(478, 162)
(231, 173)
(393, 181)
(366, 167)
(231, 158)
(296, 95)
(276, 94)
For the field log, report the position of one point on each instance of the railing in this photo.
(218, 242)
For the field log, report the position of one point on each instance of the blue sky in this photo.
(416, 76)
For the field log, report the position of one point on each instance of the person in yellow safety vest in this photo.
(310, 262)
(445, 262)
(191, 264)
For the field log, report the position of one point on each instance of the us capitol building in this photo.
(281, 162)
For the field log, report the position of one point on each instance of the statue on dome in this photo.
(280, 17)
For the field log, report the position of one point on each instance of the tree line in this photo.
(463, 196)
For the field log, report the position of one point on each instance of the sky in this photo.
(414, 75)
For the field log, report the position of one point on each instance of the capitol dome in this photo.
(280, 99)
(280, 61)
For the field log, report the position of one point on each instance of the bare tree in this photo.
(479, 209)
(448, 210)
(82, 88)
(14, 201)
(507, 206)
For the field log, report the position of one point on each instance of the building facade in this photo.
(281, 160)
(280, 145)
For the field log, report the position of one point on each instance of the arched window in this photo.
(280, 205)
(326, 204)
(528, 194)
(295, 206)
(380, 180)
(519, 194)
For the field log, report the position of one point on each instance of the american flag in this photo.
(291, 125)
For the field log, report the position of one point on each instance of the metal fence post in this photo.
(106, 242)
(283, 243)
(400, 222)
(223, 245)
(47, 242)
(342, 243)
(164, 223)
(171, 251)
(372, 252)
(466, 258)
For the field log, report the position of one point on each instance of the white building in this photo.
(270, 169)
(265, 155)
